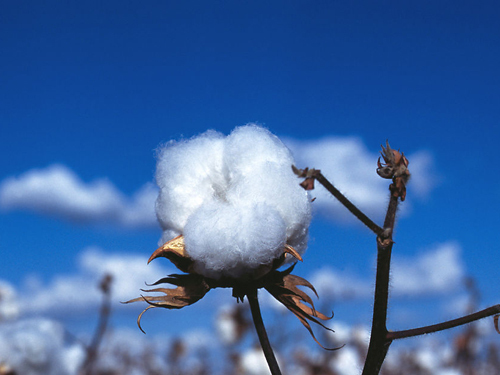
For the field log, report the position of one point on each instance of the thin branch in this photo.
(379, 342)
(390, 217)
(261, 332)
(348, 204)
(395, 335)
(93, 349)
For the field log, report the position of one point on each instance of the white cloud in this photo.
(435, 271)
(334, 284)
(140, 210)
(438, 270)
(79, 291)
(424, 177)
(58, 191)
(350, 166)
(9, 304)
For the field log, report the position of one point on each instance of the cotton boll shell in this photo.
(188, 173)
(227, 240)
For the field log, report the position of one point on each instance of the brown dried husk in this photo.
(191, 287)
(285, 289)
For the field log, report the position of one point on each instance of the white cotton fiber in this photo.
(231, 239)
(188, 173)
(235, 199)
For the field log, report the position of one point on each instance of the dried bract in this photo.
(175, 251)
(395, 167)
(191, 287)
(285, 290)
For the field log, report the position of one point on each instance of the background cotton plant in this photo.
(235, 199)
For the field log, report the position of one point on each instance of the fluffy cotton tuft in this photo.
(235, 199)
(39, 347)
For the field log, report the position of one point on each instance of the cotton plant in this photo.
(392, 165)
(232, 213)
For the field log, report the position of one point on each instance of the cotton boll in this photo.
(235, 199)
(234, 240)
(253, 362)
(188, 173)
(229, 325)
(346, 362)
(226, 328)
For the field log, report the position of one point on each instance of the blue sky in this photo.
(89, 90)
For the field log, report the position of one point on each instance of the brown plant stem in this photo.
(93, 348)
(348, 204)
(261, 332)
(396, 335)
(379, 341)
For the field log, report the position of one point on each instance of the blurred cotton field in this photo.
(38, 346)
(45, 347)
